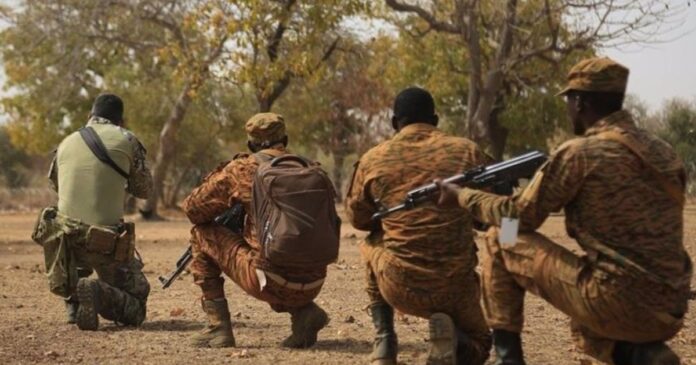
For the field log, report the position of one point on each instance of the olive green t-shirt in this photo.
(90, 190)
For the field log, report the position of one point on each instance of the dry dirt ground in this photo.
(32, 328)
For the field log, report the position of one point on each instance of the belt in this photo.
(294, 286)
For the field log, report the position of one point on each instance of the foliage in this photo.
(13, 163)
(679, 120)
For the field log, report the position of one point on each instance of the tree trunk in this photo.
(165, 151)
(498, 135)
(488, 93)
(173, 197)
(338, 158)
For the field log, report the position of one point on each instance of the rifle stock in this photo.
(181, 264)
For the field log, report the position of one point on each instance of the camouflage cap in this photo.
(600, 74)
(265, 128)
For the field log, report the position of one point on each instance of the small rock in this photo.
(349, 319)
(352, 235)
(243, 354)
(12, 267)
(51, 353)
(30, 337)
(176, 312)
(19, 306)
(238, 314)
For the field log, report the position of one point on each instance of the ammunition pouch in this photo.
(54, 234)
(106, 241)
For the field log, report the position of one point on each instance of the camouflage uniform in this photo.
(217, 249)
(633, 282)
(422, 260)
(90, 201)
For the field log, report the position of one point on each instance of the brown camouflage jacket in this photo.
(228, 184)
(607, 193)
(427, 237)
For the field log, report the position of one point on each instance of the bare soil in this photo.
(33, 328)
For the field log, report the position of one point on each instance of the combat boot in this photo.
(443, 340)
(219, 331)
(386, 344)
(508, 348)
(306, 324)
(71, 310)
(89, 296)
(653, 353)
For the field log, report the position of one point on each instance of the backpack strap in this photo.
(97, 147)
(674, 191)
(262, 157)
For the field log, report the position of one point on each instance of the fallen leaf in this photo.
(176, 312)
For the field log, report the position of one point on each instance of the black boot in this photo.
(653, 353)
(89, 295)
(508, 348)
(385, 347)
(71, 309)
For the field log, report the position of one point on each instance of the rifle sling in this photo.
(97, 147)
(674, 191)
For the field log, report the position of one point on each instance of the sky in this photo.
(663, 71)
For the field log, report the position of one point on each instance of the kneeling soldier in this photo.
(86, 231)
(216, 249)
(622, 190)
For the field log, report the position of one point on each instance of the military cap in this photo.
(599, 74)
(265, 128)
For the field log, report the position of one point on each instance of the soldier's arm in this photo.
(214, 196)
(553, 186)
(140, 179)
(53, 173)
(359, 204)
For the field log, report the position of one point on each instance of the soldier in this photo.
(622, 190)
(217, 249)
(86, 232)
(420, 261)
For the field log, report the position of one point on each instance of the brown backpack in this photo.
(292, 203)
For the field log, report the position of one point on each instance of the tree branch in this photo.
(434, 23)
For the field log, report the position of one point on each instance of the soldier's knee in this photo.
(134, 312)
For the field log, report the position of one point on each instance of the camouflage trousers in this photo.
(218, 250)
(598, 304)
(421, 293)
(125, 289)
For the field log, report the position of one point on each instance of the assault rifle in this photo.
(232, 218)
(479, 177)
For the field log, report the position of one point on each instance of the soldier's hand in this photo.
(448, 196)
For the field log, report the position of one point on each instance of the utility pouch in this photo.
(125, 243)
(101, 240)
(43, 228)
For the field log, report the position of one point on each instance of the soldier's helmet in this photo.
(599, 74)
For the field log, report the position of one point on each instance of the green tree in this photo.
(13, 163)
(679, 120)
(504, 38)
(344, 112)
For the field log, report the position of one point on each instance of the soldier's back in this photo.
(427, 236)
(88, 189)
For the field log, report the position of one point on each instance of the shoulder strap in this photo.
(261, 157)
(674, 191)
(97, 147)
